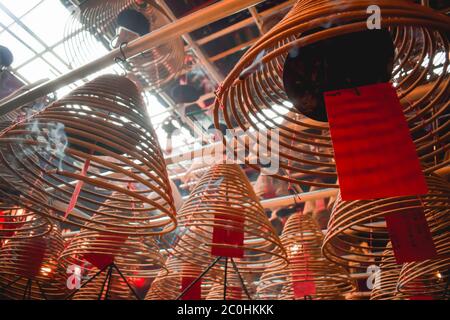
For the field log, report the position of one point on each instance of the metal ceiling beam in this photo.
(246, 22)
(178, 28)
(257, 18)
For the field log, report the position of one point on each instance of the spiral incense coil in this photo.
(223, 217)
(99, 28)
(29, 266)
(80, 149)
(169, 286)
(357, 232)
(254, 97)
(309, 273)
(386, 288)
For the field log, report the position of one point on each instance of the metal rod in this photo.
(2, 288)
(198, 278)
(241, 279)
(126, 281)
(28, 285)
(108, 274)
(183, 25)
(41, 290)
(225, 279)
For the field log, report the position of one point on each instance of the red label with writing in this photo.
(374, 152)
(228, 236)
(410, 235)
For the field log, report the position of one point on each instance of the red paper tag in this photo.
(375, 155)
(34, 253)
(228, 242)
(2, 219)
(234, 293)
(419, 286)
(76, 192)
(302, 281)
(111, 242)
(195, 292)
(10, 223)
(410, 235)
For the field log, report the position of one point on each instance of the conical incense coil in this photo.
(169, 286)
(254, 96)
(100, 19)
(357, 232)
(309, 275)
(95, 141)
(29, 266)
(223, 217)
(385, 288)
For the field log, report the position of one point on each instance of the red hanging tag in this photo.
(420, 286)
(195, 292)
(302, 278)
(10, 223)
(107, 242)
(228, 236)
(34, 253)
(234, 293)
(410, 235)
(375, 155)
(76, 192)
(2, 219)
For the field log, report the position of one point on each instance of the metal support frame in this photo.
(182, 294)
(106, 283)
(27, 291)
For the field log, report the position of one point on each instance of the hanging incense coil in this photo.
(94, 251)
(308, 274)
(357, 232)
(254, 96)
(169, 286)
(29, 266)
(386, 287)
(95, 141)
(99, 30)
(223, 217)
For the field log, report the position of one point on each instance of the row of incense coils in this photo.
(92, 160)
(222, 216)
